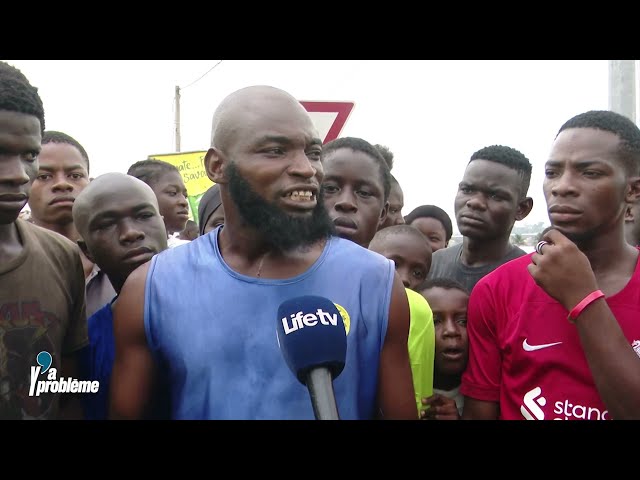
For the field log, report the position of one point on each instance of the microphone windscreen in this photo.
(311, 334)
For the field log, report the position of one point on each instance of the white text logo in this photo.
(565, 409)
(54, 385)
(301, 320)
(532, 403)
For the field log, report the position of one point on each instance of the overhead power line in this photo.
(202, 75)
(177, 106)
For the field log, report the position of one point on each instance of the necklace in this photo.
(258, 273)
(260, 265)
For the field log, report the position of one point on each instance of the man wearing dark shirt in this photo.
(491, 197)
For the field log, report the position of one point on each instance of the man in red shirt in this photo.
(555, 334)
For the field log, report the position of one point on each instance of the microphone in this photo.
(313, 341)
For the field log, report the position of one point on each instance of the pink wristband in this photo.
(586, 301)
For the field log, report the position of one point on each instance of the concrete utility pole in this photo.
(177, 118)
(622, 87)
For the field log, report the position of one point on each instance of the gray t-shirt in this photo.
(446, 263)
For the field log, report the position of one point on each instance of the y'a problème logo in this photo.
(52, 384)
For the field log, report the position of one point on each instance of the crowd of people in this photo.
(110, 285)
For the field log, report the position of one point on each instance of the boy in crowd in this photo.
(356, 187)
(408, 249)
(120, 226)
(434, 223)
(396, 203)
(166, 182)
(62, 174)
(491, 197)
(448, 300)
(411, 254)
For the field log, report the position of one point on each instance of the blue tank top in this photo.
(213, 331)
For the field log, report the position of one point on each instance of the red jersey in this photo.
(526, 355)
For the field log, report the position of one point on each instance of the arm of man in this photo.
(482, 377)
(565, 273)
(475, 409)
(132, 379)
(614, 364)
(396, 396)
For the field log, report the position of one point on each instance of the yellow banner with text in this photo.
(191, 167)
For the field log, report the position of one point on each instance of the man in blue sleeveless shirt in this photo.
(203, 315)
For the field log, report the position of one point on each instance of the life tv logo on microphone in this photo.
(301, 320)
(312, 337)
(298, 320)
(54, 385)
(312, 332)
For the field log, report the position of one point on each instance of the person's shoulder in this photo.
(344, 244)
(517, 263)
(174, 241)
(519, 250)
(106, 309)
(516, 252)
(349, 247)
(99, 315)
(178, 252)
(447, 253)
(444, 259)
(351, 255)
(418, 305)
(47, 239)
(415, 297)
(508, 274)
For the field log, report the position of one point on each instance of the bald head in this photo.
(119, 221)
(243, 108)
(104, 193)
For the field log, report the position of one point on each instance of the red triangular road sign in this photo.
(328, 117)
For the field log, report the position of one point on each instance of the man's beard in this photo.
(278, 229)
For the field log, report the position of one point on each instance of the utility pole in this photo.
(177, 118)
(622, 87)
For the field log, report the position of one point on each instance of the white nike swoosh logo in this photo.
(533, 348)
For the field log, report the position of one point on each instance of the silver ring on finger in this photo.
(539, 246)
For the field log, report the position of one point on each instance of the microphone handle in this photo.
(320, 385)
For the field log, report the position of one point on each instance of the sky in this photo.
(433, 115)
